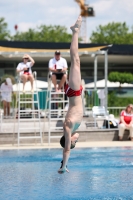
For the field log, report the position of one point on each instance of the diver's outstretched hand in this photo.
(62, 171)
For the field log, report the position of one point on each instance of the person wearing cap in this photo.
(73, 90)
(6, 95)
(58, 67)
(126, 122)
(24, 69)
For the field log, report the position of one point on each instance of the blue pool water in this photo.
(95, 174)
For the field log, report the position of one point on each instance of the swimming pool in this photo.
(95, 174)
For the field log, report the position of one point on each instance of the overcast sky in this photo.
(30, 13)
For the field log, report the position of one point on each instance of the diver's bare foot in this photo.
(76, 26)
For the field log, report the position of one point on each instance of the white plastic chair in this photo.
(99, 112)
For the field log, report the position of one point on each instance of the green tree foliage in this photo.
(112, 33)
(4, 33)
(120, 77)
(44, 34)
(114, 101)
(3, 78)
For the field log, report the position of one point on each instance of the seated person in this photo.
(58, 67)
(126, 121)
(24, 69)
(6, 94)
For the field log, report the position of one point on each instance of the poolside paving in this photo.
(89, 136)
(124, 144)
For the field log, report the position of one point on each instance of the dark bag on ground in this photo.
(112, 123)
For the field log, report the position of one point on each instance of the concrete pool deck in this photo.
(78, 145)
(89, 137)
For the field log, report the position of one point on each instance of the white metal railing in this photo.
(24, 106)
(91, 99)
(111, 110)
(42, 102)
(115, 110)
(88, 103)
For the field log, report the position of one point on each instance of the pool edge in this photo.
(79, 145)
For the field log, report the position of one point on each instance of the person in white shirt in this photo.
(6, 95)
(58, 67)
(24, 69)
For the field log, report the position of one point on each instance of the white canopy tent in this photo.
(40, 85)
(101, 84)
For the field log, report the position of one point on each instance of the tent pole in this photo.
(106, 79)
(95, 78)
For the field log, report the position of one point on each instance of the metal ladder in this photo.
(54, 99)
(28, 115)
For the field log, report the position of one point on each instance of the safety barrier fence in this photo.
(89, 100)
(110, 110)
(14, 104)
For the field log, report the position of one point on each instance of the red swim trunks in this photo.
(71, 93)
(27, 73)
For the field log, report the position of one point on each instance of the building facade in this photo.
(120, 58)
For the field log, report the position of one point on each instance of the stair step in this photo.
(38, 128)
(56, 101)
(30, 137)
(28, 101)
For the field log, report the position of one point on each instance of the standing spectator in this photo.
(58, 67)
(126, 121)
(24, 69)
(6, 94)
